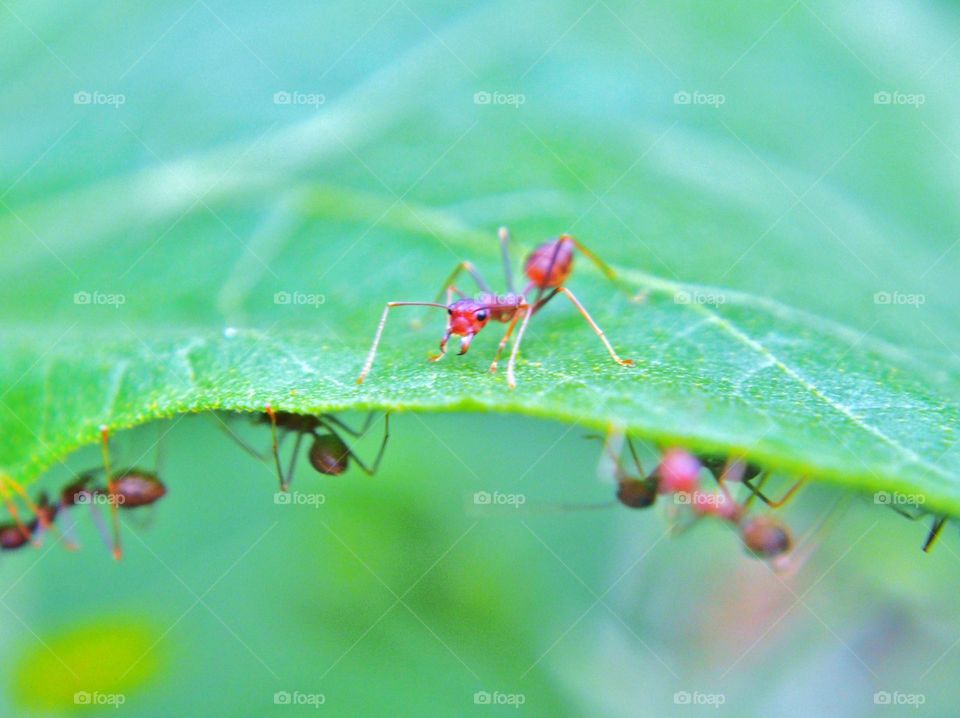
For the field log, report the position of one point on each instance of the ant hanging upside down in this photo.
(329, 453)
(678, 475)
(123, 490)
(547, 268)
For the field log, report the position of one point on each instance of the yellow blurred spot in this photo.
(107, 658)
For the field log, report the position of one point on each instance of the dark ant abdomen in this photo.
(138, 488)
(13, 537)
(637, 493)
(329, 455)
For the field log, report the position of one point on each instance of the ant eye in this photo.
(482, 315)
(450, 312)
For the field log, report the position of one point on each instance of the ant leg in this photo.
(276, 446)
(14, 512)
(370, 471)
(383, 322)
(599, 263)
(755, 491)
(906, 514)
(511, 377)
(506, 337)
(329, 418)
(100, 524)
(542, 302)
(111, 491)
(938, 523)
(240, 442)
(596, 328)
(41, 517)
(787, 496)
(472, 271)
(633, 453)
(504, 235)
(285, 483)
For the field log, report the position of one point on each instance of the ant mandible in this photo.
(547, 268)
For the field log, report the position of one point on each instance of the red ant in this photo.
(547, 268)
(132, 488)
(125, 489)
(43, 515)
(15, 534)
(329, 453)
(678, 474)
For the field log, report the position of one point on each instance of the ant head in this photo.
(329, 455)
(766, 536)
(138, 488)
(637, 493)
(679, 472)
(467, 318)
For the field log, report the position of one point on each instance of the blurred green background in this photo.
(801, 184)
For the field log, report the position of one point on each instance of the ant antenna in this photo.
(383, 322)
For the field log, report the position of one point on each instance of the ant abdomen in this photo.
(550, 264)
(329, 455)
(765, 536)
(13, 536)
(138, 488)
(637, 493)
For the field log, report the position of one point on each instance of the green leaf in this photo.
(750, 252)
